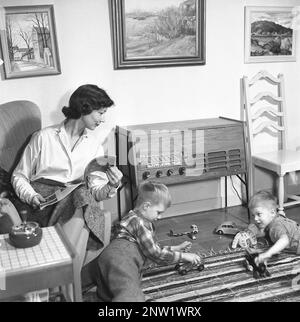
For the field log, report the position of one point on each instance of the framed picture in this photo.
(28, 42)
(156, 33)
(270, 34)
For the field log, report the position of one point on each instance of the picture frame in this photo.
(28, 42)
(270, 34)
(157, 33)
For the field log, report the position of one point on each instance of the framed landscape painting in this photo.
(270, 34)
(156, 33)
(28, 41)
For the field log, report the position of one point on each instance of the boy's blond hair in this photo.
(155, 193)
(263, 197)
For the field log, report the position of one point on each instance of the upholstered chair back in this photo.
(18, 120)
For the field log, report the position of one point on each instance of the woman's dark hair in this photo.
(85, 99)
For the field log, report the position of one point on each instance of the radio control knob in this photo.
(159, 173)
(181, 170)
(170, 172)
(146, 175)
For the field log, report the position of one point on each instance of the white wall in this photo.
(157, 94)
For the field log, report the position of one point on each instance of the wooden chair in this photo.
(18, 120)
(265, 116)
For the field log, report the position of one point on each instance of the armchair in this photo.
(18, 120)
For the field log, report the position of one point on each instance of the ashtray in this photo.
(25, 235)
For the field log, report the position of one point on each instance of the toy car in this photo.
(184, 268)
(192, 234)
(258, 270)
(228, 228)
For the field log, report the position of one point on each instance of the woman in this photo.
(58, 155)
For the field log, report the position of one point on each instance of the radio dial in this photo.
(182, 170)
(159, 173)
(146, 175)
(170, 172)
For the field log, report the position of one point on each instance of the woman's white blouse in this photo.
(48, 155)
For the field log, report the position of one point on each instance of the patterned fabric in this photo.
(225, 279)
(64, 210)
(135, 229)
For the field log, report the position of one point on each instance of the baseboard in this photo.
(191, 198)
(193, 206)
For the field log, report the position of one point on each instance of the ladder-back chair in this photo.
(265, 116)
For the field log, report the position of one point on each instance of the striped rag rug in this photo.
(225, 279)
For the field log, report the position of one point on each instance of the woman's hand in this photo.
(36, 200)
(114, 176)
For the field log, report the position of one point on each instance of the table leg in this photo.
(281, 195)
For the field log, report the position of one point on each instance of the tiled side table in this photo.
(51, 263)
